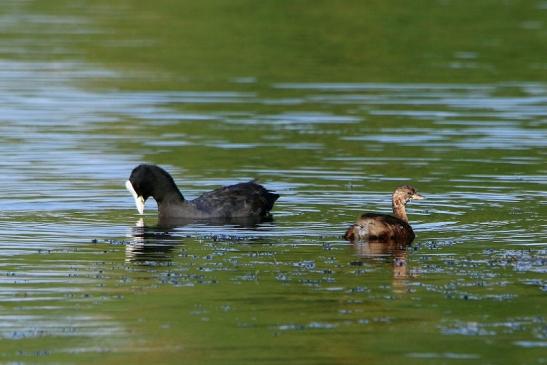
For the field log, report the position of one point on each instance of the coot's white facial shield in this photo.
(139, 200)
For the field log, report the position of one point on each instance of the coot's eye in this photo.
(409, 193)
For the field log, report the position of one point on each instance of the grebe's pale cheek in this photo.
(400, 201)
(363, 231)
(139, 200)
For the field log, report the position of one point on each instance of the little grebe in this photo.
(384, 227)
(247, 199)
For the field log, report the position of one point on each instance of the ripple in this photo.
(69, 244)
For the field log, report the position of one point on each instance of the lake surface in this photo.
(331, 105)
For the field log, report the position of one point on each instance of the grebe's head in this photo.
(405, 193)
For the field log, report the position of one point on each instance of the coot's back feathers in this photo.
(239, 200)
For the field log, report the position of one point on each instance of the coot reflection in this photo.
(151, 244)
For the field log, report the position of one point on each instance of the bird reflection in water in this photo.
(150, 244)
(394, 252)
(155, 244)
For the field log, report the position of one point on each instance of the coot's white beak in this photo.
(139, 200)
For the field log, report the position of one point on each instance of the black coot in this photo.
(247, 199)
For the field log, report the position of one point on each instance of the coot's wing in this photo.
(243, 199)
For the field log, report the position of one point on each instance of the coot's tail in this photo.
(267, 198)
(270, 201)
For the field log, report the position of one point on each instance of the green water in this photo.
(330, 104)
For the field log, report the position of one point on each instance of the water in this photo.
(89, 90)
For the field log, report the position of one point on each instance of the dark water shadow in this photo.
(154, 244)
(151, 244)
(240, 222)
(391, 252)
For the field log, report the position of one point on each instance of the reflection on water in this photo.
(156, 242)
(393, 252)
(150, 244)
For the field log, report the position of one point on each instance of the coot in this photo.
(247, 199)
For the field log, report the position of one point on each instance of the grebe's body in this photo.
(384, 227)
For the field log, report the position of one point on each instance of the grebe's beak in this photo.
(139, 200)
(417, 196)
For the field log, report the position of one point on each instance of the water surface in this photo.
(305, 102)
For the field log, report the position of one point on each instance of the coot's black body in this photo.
(247, 199)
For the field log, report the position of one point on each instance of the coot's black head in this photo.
(150, 181)
(406, 193)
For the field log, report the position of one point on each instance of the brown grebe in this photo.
(385, 227)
